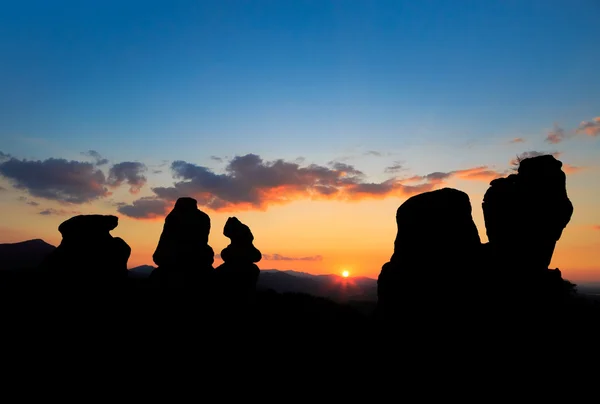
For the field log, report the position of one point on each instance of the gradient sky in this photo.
(311, 121)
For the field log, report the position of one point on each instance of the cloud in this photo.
(27, 202)
(145, 208)
(482, 173)
(56, 179)
(4, 156)
(590, 128)
(533, 153)
(556, 135)
(517, 140)
(249, 182)
(278, 257)
(156, 171)
(128, 172)
(2, 189)
(215, 158)
(373, 153)
(96, 156)
(397, 166)
(57, 212)
(596, 227)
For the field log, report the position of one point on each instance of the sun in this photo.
(345, 274)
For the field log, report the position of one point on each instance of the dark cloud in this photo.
(156, 171)
(4, 156)
(32, 203)
(249, 182)
(57, 212)
(556, 135)
(216, 158)
(144, 208)
(96, 156)
(2, 189)
(56, 179)
(128, 172)
(278, 257)
(373, 153)
(590, 128)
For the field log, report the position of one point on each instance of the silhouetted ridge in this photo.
(24, 255)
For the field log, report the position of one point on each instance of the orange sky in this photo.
(327, 236)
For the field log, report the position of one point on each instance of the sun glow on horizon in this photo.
(345, 274)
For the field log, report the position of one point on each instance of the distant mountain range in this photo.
(333, 287)
(27, 255)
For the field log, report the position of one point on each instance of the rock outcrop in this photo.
(238, 274)
(435, 251)
(525, 214)
(183, 256)
(88, 254)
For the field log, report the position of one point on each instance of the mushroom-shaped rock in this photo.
(238, 274)
(88, 253)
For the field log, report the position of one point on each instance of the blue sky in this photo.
(190, 79)
(432, 86)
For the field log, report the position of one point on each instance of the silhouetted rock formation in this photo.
(435, 251)
(183, 256)
(238, 274)
(88, 254)
(525, 215)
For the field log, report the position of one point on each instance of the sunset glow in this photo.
(311, 122)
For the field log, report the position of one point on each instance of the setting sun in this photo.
(345, 274)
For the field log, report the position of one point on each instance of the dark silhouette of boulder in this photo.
(183, 256)
(238, 274)
(435, 251)
(525, 214)
(88, 254)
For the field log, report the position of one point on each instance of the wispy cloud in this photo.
(556, 135)
(590, 128)
(517, 140)
(394, 168)
(279, 257)
(57, 212)
(96, 156)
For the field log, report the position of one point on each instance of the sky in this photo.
(310, 121)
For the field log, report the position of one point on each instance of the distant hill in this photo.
(329, 286)
(142, 271)
(25, 255)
